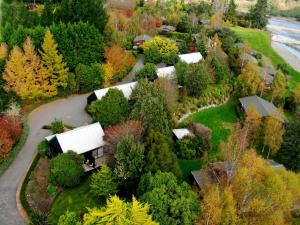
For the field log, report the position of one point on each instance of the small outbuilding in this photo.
(191, 58)
(248, 58)
(166, 72)
(178, 134)
(86, 140)
(266, 76)
(125, 88)
(139, 40)
(263, 107)
(167, 28)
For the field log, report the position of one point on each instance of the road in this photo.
(139, 64)
(70, 110)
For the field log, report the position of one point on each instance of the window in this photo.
(98, 153)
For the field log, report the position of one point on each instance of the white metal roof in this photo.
(125, 88)
(81, 139)
(182, 132)
(191, 57)
(168, 72)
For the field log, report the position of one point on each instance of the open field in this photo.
(260, 41)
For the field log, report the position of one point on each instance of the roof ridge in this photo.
(78, 128)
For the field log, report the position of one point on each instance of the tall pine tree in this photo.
(258, 14)
(53, 61)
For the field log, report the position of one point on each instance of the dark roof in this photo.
(143, 37)
(263, 107)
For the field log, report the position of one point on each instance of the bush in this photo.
(89, 78)
(38, 218)
(66, 169)
(111, 109)
(103, 183)
(221, 72)
(57, 127)
(68, 218)
(147, 72)
(191, 147)
(43, 148)
(51, 189)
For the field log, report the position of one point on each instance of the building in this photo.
(167, 28)
(86, 140)
(248, 58)
(168, 72)
(178, 134)
(263, 107)
(266, 75)
(191, 58)
(125, 88)
(275, 165)
(139, 40)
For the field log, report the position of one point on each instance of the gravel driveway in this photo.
(70, 110)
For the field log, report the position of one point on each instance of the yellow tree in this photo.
(296, 95)
(253, 123)
(250, 81)
(108, 74)
(278, 86)
(3, 51)
(14, 73)
(36, 82)
(118, 212)
(216, 21)
(53, 61)
(273, 134)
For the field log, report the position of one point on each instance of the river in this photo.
(286, 38)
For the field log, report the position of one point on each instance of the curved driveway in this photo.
(70, 110)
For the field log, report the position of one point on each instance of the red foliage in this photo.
(128, 13)
(10, 131)
(158, 23)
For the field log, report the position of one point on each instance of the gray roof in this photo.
(263, 107)
(168, 28)
(275, 165)
(265, 75)
(143, 37)
(248, 57)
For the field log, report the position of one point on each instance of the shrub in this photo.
(147, 72)
(111, 109)
(57, 127)
(68, 218)
(38, 218)
(221, 72)
(103, 183)
(43, 148)
(66, 169)
(89, 78)
(51, 189)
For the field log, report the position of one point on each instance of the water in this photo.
(286, 33)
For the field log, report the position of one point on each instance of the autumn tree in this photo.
(250, 81)
(278, 86)
(216, 21)
(108, 74)
(3, 51)
(273, 134)
(118, 212)
(53, 61)
(25, 74)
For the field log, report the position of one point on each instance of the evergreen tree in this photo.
(202, 49)
(53, 61)
(258, 14)
(230, 14)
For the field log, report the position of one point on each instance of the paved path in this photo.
(139, 65)
(70, 110)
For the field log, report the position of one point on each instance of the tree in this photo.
(159, 156)
(57, 127)
(278, 86)
(103, 183)
(150, 108)
(89, 78)
(118, 212)
(202, 48)
(169, 89)
(68, 218)
(221, 72)
(273, 140)
(66, 169)
(258, 14)
(129, 159)
(193, 77)
(296, 96)
(250, 81)
(216, 21)
(231, 14)
(3, 51)
(108, 74)
(25, 75)
(147, 72)
(91, 11)
(53, 61)
(170, 202)
(111, 109)
(289, 153)
(160, 50)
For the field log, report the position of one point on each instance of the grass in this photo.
(76, 199)
(220, 120)
(260, 41)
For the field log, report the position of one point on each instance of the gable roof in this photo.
(143, 37)
(168, 72)
(191, 57)
(263, 107)
(181, 133)
(81, 139)
(125, 88)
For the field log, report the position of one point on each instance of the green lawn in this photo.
(220, 120)
(74, 199)
(260, 41)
